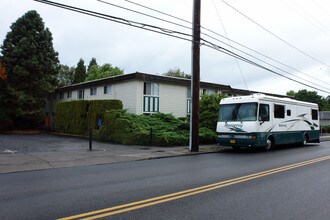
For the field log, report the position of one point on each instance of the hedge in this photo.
(77, 117)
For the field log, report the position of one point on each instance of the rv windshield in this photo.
(238, 112)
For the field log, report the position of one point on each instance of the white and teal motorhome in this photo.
(262, 121)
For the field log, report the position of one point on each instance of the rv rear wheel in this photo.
(270, 143)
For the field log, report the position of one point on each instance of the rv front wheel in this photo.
(305, 140)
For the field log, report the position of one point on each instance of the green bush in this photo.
(127, 128)
(207, 136)
(325, 129)
(77, 117)
(209, 110)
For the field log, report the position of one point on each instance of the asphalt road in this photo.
(179, 187)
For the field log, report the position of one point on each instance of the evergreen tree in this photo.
(80, 72)
(31, 65)
(3, 91)
(91, 63)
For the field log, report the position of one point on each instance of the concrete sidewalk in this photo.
(26, 152)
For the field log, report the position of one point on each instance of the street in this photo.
(287, 183)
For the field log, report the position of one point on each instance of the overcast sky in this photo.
(290, 32)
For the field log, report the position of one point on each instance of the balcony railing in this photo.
(150, 104)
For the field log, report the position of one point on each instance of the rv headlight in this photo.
(252, 137)
(224, 136)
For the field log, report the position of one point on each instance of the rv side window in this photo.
(314, 114)
(263, 112)
(288, 112)
(279, 111)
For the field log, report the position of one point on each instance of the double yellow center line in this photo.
(178, 195)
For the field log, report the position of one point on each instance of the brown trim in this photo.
(157, 79)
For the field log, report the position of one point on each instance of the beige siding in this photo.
(130, 94)
(173, 99)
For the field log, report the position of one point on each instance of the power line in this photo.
(301, 15)
(229, 40)
(312, 17)
(167, 32)
(228, 52)
(224, 29)
(271, 33)
(321, 8)
(160, 12)
(147, 15)
(135, 24)
(266, 62)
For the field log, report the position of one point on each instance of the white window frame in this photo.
(93, 91)
(107, 89)
(81, 94)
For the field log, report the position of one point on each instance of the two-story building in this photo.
(141, 93)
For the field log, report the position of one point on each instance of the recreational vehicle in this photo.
(265, 121)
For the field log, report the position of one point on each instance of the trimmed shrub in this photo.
(96, 110)
(70, 117)
(77, 117)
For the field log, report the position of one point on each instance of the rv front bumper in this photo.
(242, 140)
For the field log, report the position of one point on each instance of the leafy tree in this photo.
(310, 96)
(209, 110)
(176, 72)
(291, 93)
(65, 75)
(31, 64)
(91, 63)
(80, 72)
(106, 70)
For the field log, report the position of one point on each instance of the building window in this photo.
(151, 89)
(315, 114)
(150, 98)
(208, 91)
(189, 93)
(93, 91)
(80, 94)
(279, 111)
(108, 89)
(69, 95)
(61, 95)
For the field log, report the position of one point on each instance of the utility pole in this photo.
(195, 79)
